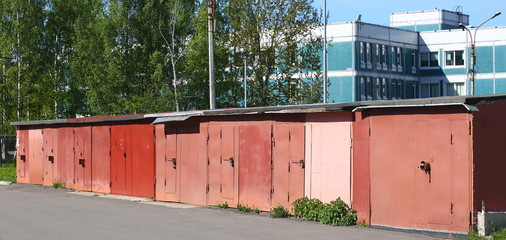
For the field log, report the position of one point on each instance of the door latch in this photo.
(300, 162)
(173, 163)
(230, 160)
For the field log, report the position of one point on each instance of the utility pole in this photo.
(211, 5)
(325, 80)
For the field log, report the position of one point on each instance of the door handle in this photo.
(230, 160)
(124, 154)
(300, 162)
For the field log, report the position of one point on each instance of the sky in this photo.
(378, 11)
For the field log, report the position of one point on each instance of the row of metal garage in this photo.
(416, 164)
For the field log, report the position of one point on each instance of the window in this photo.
(378, 56)
(429, 90)
(393, 58)
(369, 89)
(362, 89)
(377, 89)
(393, 89)
(384, 57)
(454, 58)
(455, 89)
(413, 62)
(429, 59)
(384, 88)
(362, 54)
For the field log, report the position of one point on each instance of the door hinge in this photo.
(110, 184)
(220, 189)
(207, 188)
(165, 182)
(470, 128)
(290, 136)
(208, 161)
(451, 138)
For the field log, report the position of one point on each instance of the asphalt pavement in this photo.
(37, 212)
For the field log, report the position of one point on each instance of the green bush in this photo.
(279, 212)
(247, 209)
(307, 209)
(336, 213)
(223, 205)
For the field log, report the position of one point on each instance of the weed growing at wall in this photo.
(59, 185)
(223, 205)
(307, 209)
(279, 212)
(336, 213)
(247, 209)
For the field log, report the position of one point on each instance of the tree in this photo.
(279, 37)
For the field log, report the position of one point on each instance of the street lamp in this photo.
(473, 48)
(245, 58)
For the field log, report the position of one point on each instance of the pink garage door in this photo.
(49, 137)
(192, 161)
(100, 159)
(22, 156)
(288, 164)
(255, 165)
(222, 165)
(167, 177)
(35, 166)
(328, 160)
(405, 195)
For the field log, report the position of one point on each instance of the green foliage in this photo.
(247, 209)
(499, 234)
(8, 172)
(336, 213)
(279, 212)
(223, 205)
(307, 209)
(71, 58)
(59, 185)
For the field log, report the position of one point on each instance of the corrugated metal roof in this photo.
(466, 101)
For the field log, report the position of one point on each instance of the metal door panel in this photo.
(48, 136)
(461, 165)
(440, 176)
(65, 156)
(433, 189)
(36, 156)
(214, 165)
(297, 163)
(228, 162)
(82, 158)
(254, 167)
(328, 161)
(281, 165)
(160, 162)
(192, 156)
(171, 165)
(143, 162)
(22, 156)
(121, 166)
(101, 159)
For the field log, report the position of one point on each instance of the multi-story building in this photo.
(422, 54)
